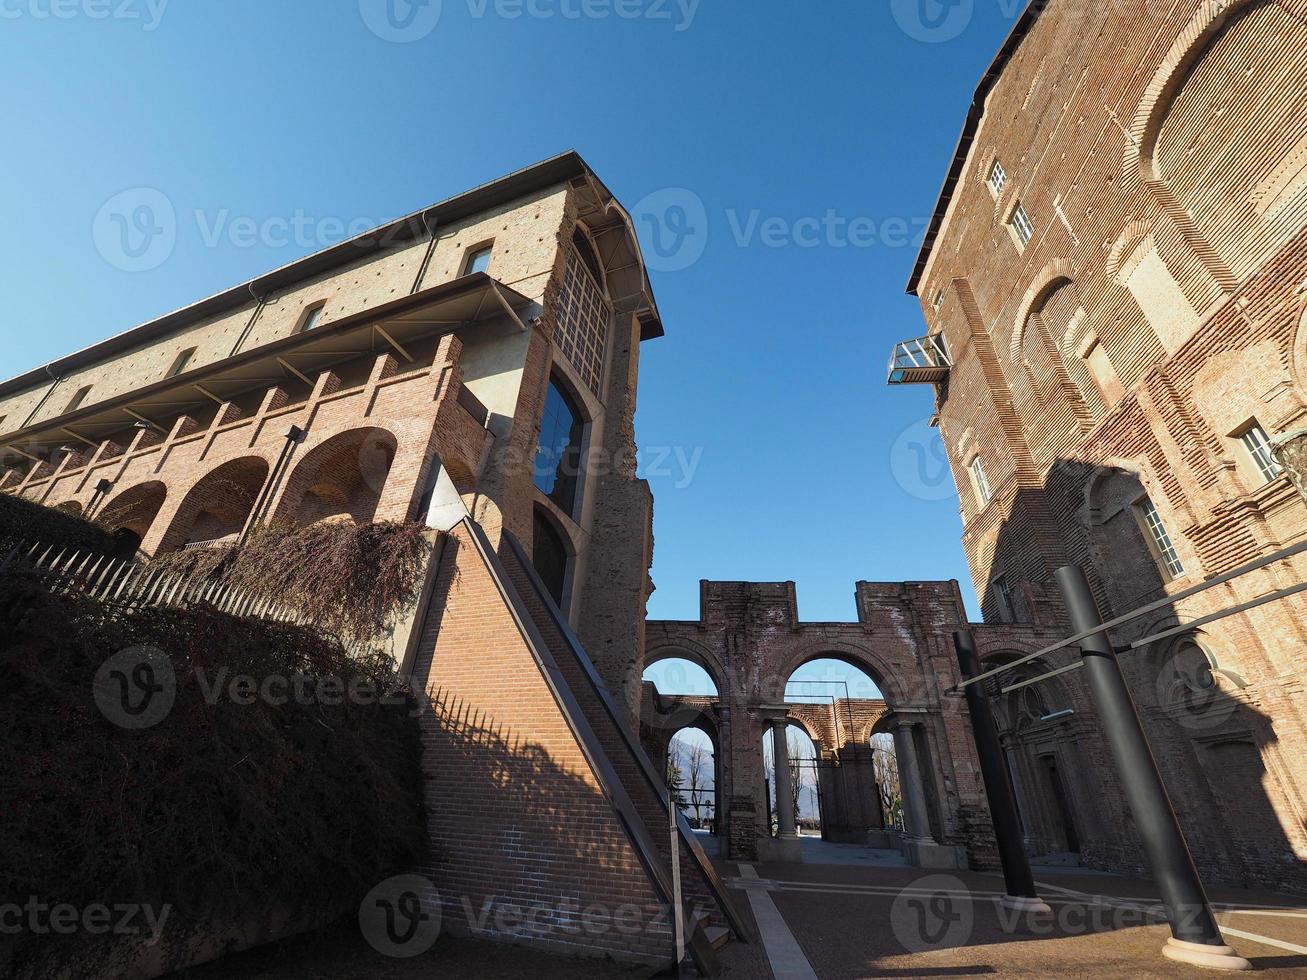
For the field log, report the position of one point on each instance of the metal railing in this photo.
(918, 361)
(131, 584)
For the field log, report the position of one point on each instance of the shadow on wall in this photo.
(519, 857)
(1196, 691)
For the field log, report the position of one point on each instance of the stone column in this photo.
(919, 845)
(785, 845)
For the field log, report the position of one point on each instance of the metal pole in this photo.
(678, 912)
(1195, 936)
(1017, 875)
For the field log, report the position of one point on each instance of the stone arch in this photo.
(1211, 25)
(1051, 276)
(343, 477)
(893, 688)
(1121, 258)
(134, 509)
(684, 650)
(218, 506)
(1299, 353)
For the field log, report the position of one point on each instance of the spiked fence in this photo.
(132, 584)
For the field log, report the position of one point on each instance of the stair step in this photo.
(717, 936)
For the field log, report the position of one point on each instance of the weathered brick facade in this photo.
(1113, 376)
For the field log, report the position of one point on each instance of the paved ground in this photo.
(852, 914)
(849, 913)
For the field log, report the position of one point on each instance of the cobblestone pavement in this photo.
(851, 919)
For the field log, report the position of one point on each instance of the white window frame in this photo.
(1257, 445)
(980, 482)
(1159, 538)
(997, 178)
(1022, 227)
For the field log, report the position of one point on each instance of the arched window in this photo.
(549, 555)
(583, 311)
(558, 457)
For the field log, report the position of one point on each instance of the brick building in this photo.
(472, 366)
(1114, 284)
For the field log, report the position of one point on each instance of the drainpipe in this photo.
(426, 259)
(55, 379)
(293, 435)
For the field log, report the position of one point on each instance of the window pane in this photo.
(549, 556)
(558, 458)
(1258, 444)
(311, 318)
(1166, 552)
(478, 261)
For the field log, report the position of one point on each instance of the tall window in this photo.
(312, 317)
(180, 364)
(980, 481)
(478, 260)
(549, 556)
(1258, 446)
(1003, 592)
(583, 312)
(76, 402)
(1022, 226)
(558, 458)
(1158, 537)
(997, 178)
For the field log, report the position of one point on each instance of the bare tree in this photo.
(885, 765)
(696, 769)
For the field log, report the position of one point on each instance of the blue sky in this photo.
(798, 146)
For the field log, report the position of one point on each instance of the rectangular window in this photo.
(583, 321)
(179, 365)
(997, 178)
(1258, 446)
(312, 317)
(478, 260)
(980, 481)
(78, 398)
(1022, 226)
(939, 299)
(1003, 593)
(1159, 538)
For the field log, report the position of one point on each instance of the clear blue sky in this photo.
(772, 115)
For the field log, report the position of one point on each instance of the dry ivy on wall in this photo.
(25, 520)
(223, 808)
(350, 580)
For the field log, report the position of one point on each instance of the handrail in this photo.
(736, 921)
(572, 713)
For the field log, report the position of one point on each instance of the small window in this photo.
(78, 398)
(181, 363)
(1258, 446)
(1003, 593)
(939, 299)
(1022, 226)
(997, 178)
(312, 317)
(478, 259)
(549, 556)
(980, 481)
(1159, 539)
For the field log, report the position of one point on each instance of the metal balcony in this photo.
(924, 360)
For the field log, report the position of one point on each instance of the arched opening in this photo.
(584, 311)
(558, 456)
(217, 508)
(885, 768)
(692, 775)
(805, 798)
(839, 704)
(551, 556)
(342, 479)
(131, 514)
(1132, 541)
(677, 675)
